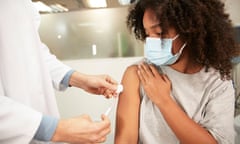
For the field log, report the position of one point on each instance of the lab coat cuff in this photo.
(65, 81)
(46, 129)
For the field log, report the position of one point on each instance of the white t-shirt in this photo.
(203, 96)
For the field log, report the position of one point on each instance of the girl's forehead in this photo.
(150, 19)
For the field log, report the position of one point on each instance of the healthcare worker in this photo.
(28, 73)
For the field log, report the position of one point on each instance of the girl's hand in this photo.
(157, 86)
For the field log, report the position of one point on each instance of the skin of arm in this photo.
(128, 109)
(157, 88)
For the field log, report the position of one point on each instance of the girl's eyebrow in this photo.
(153, 26)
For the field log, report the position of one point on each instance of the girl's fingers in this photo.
(154, 71)
(147, 70)
(140, 75)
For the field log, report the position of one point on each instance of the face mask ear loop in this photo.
(175, 37)
(182, 48)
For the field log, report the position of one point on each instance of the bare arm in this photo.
(128, 109)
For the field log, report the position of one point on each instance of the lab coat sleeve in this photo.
(18, 122)
(57, 69)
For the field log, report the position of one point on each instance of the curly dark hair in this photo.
(203, 24)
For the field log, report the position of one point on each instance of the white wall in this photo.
(233, 8)
(75, 101)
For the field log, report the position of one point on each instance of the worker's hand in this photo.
(82, 130)
(95, 84)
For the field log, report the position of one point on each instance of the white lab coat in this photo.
(28, 73)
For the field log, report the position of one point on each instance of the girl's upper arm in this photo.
(128, 109)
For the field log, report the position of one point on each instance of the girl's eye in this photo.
(159, 34)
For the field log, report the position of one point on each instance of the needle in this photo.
(118, 91)
(110, 108)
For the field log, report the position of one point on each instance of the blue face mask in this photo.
(159, 51)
